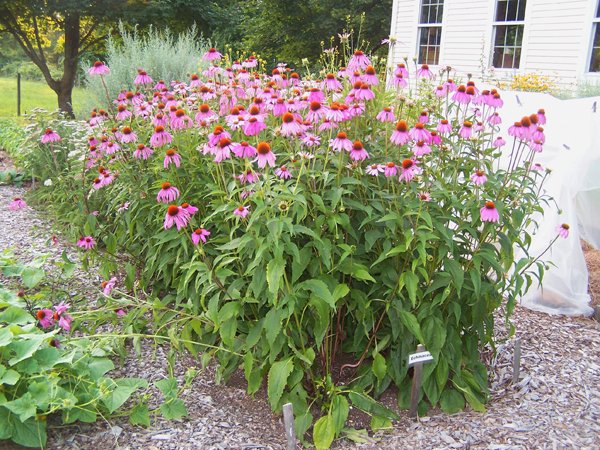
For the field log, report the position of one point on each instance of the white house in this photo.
(552, 37)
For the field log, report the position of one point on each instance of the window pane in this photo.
(507, 46)
(431, 11)
(510, 10)
(598, 11)
(595, 59)
(429, 45)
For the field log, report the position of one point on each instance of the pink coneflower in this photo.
(244, 150)
(441, 91)
(142, 78)
(421, 148)
(242, 211)
(358, 152)
(375, 169)
(86, 242)
(171, 157)
(563, 230)
(444, 127)
(424, 196)
(461, 96)
(223, 150)
(536, 145)
(99, 68)
(335, 112)
(283, 173)
(391, 169)
(212, 55)
(478, 177)
(142, 152)
(399, 81)
(424, 72)
(217, 134)
(111, 148)
(127, 135)
(364, 92)
(195, 81)
(420, 133)
(176, 216)
(450, 85)
(290, 126)
(331, 83)
(327, 125)
(498, 142)
(60, 314)
(108, 286)
(122, 113)
(205, 113)
(311, 140)
(190, 209)
(489, 213)
(386, 115)
(494, 119)
(537, 167)
(466, 130)
(247, 177)
(370, 76)
(401, 70)
(46, 317)
(200, 234)
(541, 116)
(400, 136)
(264, 155)
(167, 193)
(315, 95)
(424, 117)
(435, 138)
(409, 170)
(50, 136)
(16, 204)
(538, 134)
(253, 126)
(316, 112)
(160, 137)
(358, 61)
(181, 120)
(341, 142)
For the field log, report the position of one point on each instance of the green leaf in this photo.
(10, 377)
(451, 401)
(168, 387)
(31, 433)
(27, 346)
(275, 272)
(360, 272)
(140, 415)
(470, 396)
(411, 281)
(379, 367)
(16, 315)
(380, 423)
(410, 321)
(32, 276)
(339, 413)
(272, 325)
(458, 275)
(174, 409)
(367, 404)
(99, 366)
(117, 397)
(324, 432)
(6, 336)
(277, 379)
(24, 407)
(319, 289)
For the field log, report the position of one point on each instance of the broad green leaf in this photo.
(168, 387)
(10, 377)
(458, 275)
(360, 272)
(411, 322)
(277, 380)
(117, 397)
(339, 412)
(32, 276)
(27, 346)
(320, 289)
(324, 432)
(367, 404)
(31, 433)
(451, 401)
(380, 423)
(140, 415)
(174, 409)
(275, 272)
(411, 281)
(99, 366)
(16, 316)
(24, 407)
(379, 367)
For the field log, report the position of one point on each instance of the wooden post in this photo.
(18, 94)
(416, 385)
(288, 423)
(516, 361)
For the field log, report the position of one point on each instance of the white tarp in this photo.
(572, 151)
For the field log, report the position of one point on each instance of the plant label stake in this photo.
(516, 361)
(417, 360)
(288, 423)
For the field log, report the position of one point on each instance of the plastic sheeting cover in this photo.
(572, 152)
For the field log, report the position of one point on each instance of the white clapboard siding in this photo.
(557, 37)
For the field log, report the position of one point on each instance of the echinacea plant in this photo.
(348, 223)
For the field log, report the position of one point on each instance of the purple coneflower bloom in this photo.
(142, 78)
(450, 85)
(290, 126)
(50, 136)
(99, 68)
(142, 152)
(386, 115)
(181, 120)
(122, 113)
(375, 169)
(370, 76)
(212, 55)
(399, 81)
(86, 242)
(401, 70)
(563, 230)
(264, 155)
(167, 193)
(495, 119)
(536, 145)
(498, 142)
(435, 138)
(391, 169)
(205, 113)
(190, 209)
(341, 142)
(244, 150)
(108, 286)
(241, 211)
(421, 148)
(424, 117)
(253, 126)
(424, 196)
(489, 213)
(247, 177)
(400, 136)
(127, 135)
(461, 96)
(420, 133)
(424, 72)
(283, 173)
(311, 140)
(160, 137)
(358, 61)
(46, 317)
(541, 116)
(409, 170)
(466, 130)
(331, 83)
(176, 216)
(64, 320)
(223, 150)
(440, 91)
(17, 203)
(171, 157)
(478, 177)
(200, 234)
(358, 152)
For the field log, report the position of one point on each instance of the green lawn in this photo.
(34, 94)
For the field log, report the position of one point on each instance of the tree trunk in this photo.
(64, 89)
(65, 101)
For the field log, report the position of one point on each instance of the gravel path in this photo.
(556, 403)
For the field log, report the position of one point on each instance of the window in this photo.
(430, 31)
(508, 33)
(595, 57)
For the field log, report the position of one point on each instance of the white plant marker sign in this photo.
(417, 360)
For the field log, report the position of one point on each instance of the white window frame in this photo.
(595, 29)
(507, 23)
(422, 26)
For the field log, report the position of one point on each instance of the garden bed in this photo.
(555, 403)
